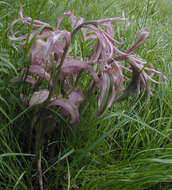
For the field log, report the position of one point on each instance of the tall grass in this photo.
(129, 148)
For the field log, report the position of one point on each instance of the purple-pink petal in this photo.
(76, 96)
(39, 70)
(39, 97)
(68, 106)
(144, 35)
(77, 67)
(69, 14)
(116, 19)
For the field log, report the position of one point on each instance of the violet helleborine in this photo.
(50, 60)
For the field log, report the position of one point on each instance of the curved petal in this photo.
(116, 19)
(39, 70)
(144, 34)
(68, 106)
(39, 97)
(28, 79)
(72, 66)
(117, 76)
(28, 20)
(76, 96)
(106, 92)
(70, 14)
(54, 39)
(133, 85)
(37, 52)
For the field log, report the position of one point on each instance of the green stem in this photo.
(40, 169)
(39, 153)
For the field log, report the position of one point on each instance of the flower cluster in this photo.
(52, 61)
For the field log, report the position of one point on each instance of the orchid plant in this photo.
(51, 61)
(55, 73)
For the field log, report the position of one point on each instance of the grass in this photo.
(129, 148)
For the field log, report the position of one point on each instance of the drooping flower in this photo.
(51, 60)
(69, 107)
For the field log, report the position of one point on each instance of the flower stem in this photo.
(39, 153)
(40, 170)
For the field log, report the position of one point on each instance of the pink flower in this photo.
(50, 59)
